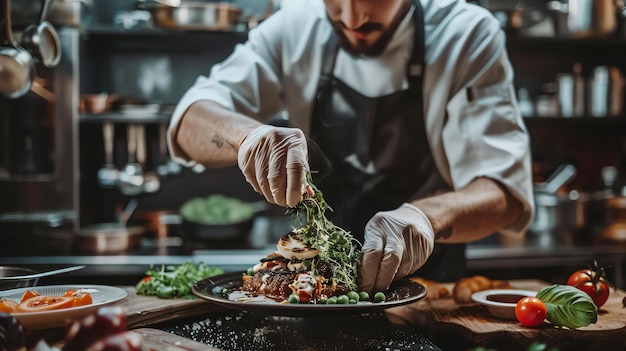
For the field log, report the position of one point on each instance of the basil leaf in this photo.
(568, 306)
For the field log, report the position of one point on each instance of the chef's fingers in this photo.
(370, 262)
(248, 167)
(389, 265)
(296, 167)
(277, 178)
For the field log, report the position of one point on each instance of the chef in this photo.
(403, 109)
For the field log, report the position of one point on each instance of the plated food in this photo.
(317, 262)
(41, 318)
(315, 266)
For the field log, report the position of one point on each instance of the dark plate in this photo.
(402, 292)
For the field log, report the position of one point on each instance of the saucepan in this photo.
(192, 15)
(565, 210)
(17, 67)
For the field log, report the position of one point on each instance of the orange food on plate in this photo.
(45, 303)
(7, 306)
(28, 294)
(81, 297)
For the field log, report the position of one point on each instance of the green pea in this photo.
(343, 300)
(293, 298)
(332, 300)
(353, 295)
(250, 271)
(353, 302)
(323, 300)
(364, 296)
(379, 297)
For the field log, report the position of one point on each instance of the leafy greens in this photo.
(175, 281)
(337, 247)
(568, 306)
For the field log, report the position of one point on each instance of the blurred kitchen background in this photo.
(84, 149)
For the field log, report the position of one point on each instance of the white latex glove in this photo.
(396, 244)
(274, 161)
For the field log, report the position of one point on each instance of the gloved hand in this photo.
(274, 161)
(396, 244)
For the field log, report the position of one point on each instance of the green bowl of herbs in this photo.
(217, 218)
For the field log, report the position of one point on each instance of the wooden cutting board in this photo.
(443, 319)
(144, 311)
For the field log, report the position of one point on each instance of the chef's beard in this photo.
(361, 48)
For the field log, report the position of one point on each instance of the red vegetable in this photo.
(530, 311)
(593, 282)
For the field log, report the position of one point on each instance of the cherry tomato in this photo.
(593, 283)
(81, 297)
(45, 303)
(531, 311)
(28, 294)
(7, 306)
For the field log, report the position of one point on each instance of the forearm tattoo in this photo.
(444, 234)
(218, 140)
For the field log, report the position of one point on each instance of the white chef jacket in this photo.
(278, 69)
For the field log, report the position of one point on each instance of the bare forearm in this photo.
(471, 213)
(208, 133)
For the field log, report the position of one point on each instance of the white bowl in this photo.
(501, 302)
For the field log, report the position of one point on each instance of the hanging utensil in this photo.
(17, 67)
(151, 181)
(108, 175)
(42, 40)
(131, 176)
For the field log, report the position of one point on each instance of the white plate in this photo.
(494, 301)
(102, 295)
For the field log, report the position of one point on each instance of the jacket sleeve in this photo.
(248, 81)
(485, 135)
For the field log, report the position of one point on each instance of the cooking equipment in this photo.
(42, 40)
(547, 201)
(42, 274)
(205, 229)
(108, 175)
(131, 176)
(17, 277)
(111, 238)
(443, 320)
(151, 181)
(194, 15)
(17, 67)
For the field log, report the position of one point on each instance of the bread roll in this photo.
(465, 287)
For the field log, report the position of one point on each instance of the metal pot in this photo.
(108, 238)
(194, 15)
(17, 67)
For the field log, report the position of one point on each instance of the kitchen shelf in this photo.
(558, 44)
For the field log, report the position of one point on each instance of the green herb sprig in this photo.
(175, 281)
(337, 247)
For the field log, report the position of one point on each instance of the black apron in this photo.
(371, 154)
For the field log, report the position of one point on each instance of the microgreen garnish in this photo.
(337, 247)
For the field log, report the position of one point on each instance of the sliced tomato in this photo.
(81, 297)
(28, 294)
(7, 306)
(45, 303)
